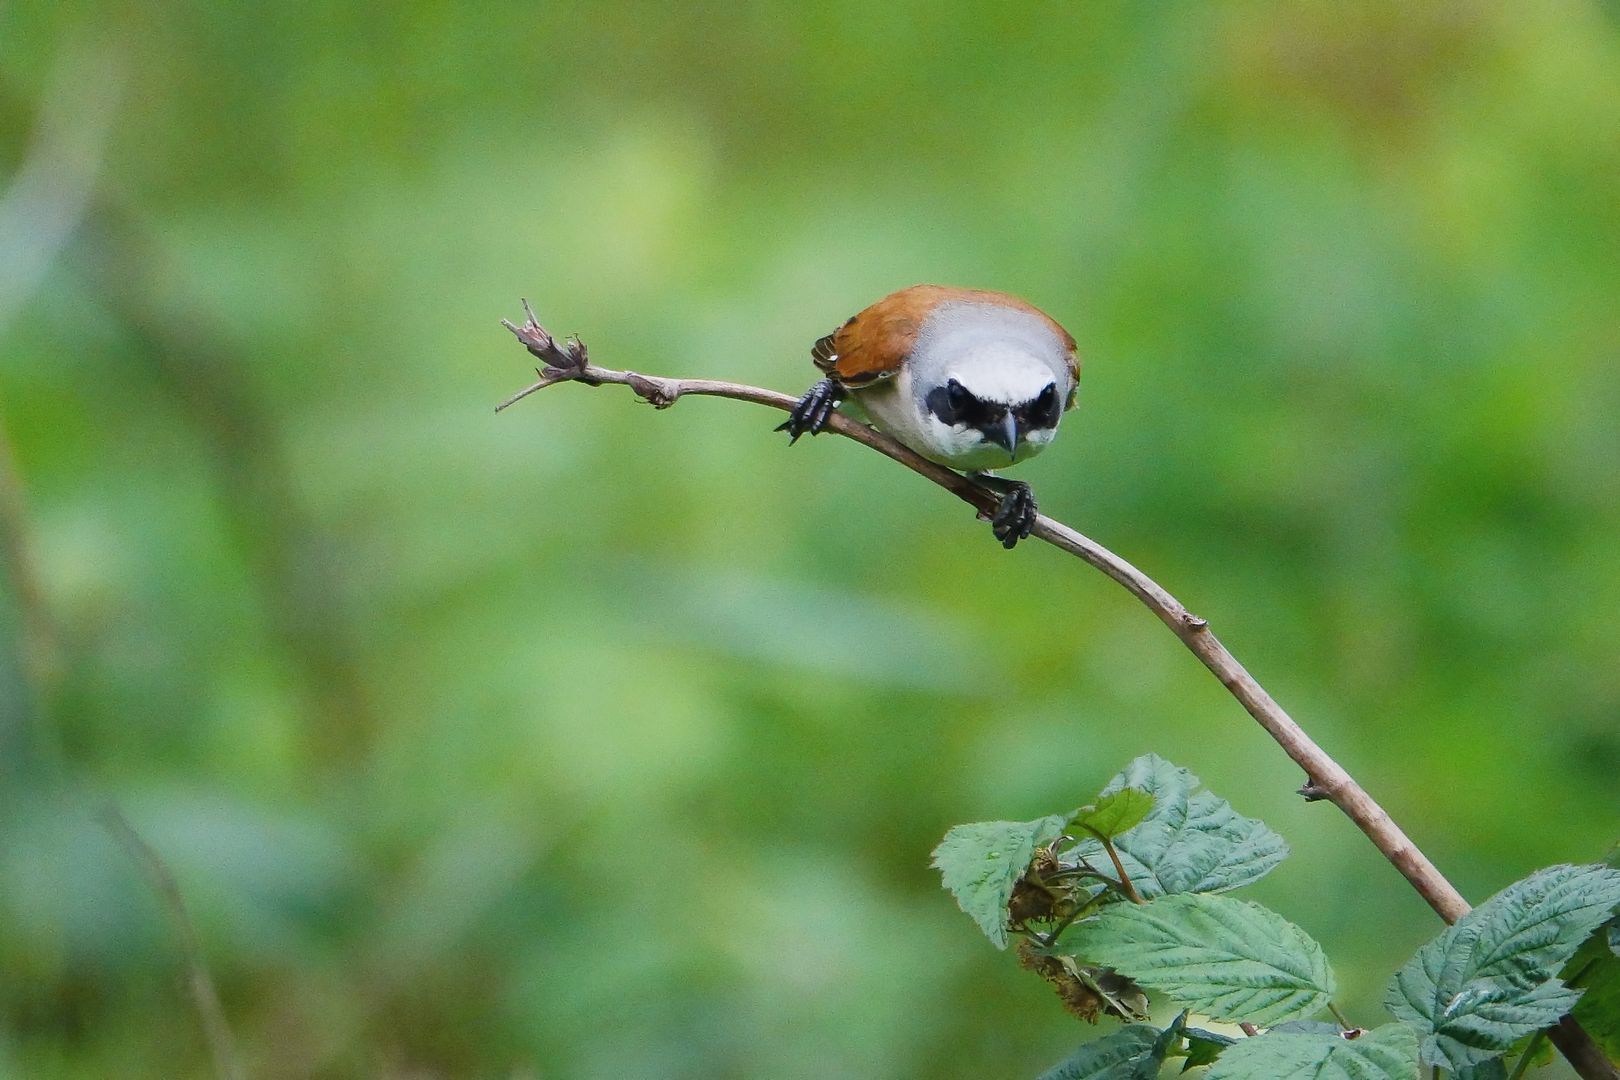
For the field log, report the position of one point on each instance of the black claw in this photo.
(810, 415)
(1015, 516)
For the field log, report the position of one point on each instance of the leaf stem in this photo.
(1119, 868)
(1344, 1024)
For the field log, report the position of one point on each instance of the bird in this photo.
(971, 379)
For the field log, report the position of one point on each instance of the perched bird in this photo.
(968, 378)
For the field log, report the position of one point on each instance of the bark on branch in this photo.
(568, 361)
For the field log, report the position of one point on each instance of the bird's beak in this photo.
(1005, 434)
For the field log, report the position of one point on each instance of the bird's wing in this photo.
(873, 344)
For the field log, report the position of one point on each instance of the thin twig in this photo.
(221, 1044)
(1325, 777)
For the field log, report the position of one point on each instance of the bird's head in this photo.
(993, 381)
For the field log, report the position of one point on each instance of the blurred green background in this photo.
(588, 741)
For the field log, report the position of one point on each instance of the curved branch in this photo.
(1327, 779)
(568, 361)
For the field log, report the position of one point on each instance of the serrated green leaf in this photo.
(1188, 842)
(1490, 979)
(1114, 812)
(980, 863)
(1480, 1020)
(1203, 1047)
(1529, 929)
(1489, 1015)
(1226, 958)
(1384, 1053)
(1127, 1054)
(1156, 776)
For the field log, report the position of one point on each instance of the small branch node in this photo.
(1311, 791)
(659, 393)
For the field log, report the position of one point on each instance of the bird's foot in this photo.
(810, 415)
(1014, 517)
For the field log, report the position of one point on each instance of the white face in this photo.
(984, 377)
(989, 398)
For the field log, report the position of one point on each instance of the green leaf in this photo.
(1597, 971)
(1491, 1069)
(1529, 929)
(1188, 842)
(1114, 812)
(1492, 978)
(1169, 1040)
(1203, 1047)
(980, 863)
(1385, 1053)
(1127, 1054)
(1488, 1015)
(1229, 959)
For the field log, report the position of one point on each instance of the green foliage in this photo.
(1137, 1051)
(1203, 1047)
(1128, 1054)
(980, 863)
(1466, 997)
(1190, 840)
(1596, 970)
(1114, 811)
(1493, 977)
(1227, 958)
(1384, 1053)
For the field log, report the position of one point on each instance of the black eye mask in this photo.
(1044, 412)
(954, 404)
